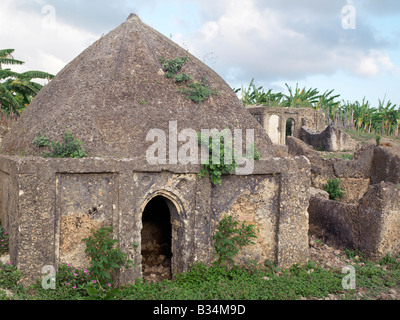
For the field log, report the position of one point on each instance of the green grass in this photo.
(365, 137)
(343, 156)
(220, 283)
(361, 136)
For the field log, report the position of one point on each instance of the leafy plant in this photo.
(221, 157)
(173, 66)
(378, 140)
(72, 281)
(252, 152)
(9, 276)
(41, 140)
(194, 90)
(301, 98)
(183, 78)
(197, 91)
(333, 187)
(101, 293)
(105, 256)
(71, 148)
(257, 96)
(222, 165)
(4, 241)
(231, 237)
(389, 261)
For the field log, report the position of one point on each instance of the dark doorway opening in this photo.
(157, 240)
(289, 128)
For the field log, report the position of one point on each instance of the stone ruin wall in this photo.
(372, 226)
(331, 139)
(274, 121)
(307, 124)
(368, 218)
(54, 203)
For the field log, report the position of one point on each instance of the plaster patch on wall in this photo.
(87, 201)
(259, 207)
(74, 229)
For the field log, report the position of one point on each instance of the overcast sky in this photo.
(316, 43)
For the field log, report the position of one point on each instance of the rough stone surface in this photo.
(372, 226)
(332, 221)
(354, 189)
(378, 227)
(386, 165)
(361, 166)
(330, 139)
(321, 169)
(314, 192)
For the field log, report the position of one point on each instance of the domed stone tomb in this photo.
(136, 101)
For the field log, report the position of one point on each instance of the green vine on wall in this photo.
(226, 162)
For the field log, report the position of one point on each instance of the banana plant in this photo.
(386, 116)
(17, 89)
(300, 98)
(384, 119)
(257, 96)
(7, 58)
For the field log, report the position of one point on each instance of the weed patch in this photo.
(222, 159)
(230, 238)
(192, 90)
(70, 148)
(333, 187)
(105, 256)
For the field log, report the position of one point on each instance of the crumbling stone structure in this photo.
(372, 226)
(330, 139)
(282, 122)
(305, 124)
(109, 97)
(368, 218)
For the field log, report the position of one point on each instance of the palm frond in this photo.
(36, 75)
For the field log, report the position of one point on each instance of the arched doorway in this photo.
(290, 127)
(157, 239)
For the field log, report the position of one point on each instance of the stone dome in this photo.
(114, 92)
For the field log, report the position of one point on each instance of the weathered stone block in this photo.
(372, 226)
(378, 225)
(330, 139)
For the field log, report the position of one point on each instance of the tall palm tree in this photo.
(17, 89)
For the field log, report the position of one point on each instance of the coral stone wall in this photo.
(50, 205)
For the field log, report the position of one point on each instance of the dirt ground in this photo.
(329, 257)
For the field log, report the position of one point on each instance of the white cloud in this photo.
(290, 40)
(375, 63)
(41, 44)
